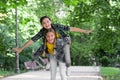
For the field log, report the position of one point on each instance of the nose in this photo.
(49, 38)
(46, 24)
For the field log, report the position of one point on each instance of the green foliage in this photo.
(105, 61)
(7, 34)
(81, 50)
(102, 16)
(6, 42)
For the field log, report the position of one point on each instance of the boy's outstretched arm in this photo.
(18, 50)
(74, 29)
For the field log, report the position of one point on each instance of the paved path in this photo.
(75, 73)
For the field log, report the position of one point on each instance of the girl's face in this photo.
(50, 36)
(46, 23)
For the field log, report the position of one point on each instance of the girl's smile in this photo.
(50, 36)
(46, 23)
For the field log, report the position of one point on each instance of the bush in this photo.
(105, 61)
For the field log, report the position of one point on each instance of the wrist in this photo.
(21, 48)
(86, 31)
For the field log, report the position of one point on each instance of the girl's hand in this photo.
(89, 31)
(17, 50)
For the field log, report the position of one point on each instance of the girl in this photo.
(51, 46)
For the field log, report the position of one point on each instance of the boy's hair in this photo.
(41, 19)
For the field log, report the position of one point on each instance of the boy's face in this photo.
(46, 23)
(50, 36)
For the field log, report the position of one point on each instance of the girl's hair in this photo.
(46, 47)
(50, 30)
(41, 19)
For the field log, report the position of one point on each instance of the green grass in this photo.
(110, 73)
(9, 73)
(6, 73)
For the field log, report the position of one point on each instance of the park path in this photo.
(74, 73)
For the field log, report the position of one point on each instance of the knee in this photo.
(68, 64)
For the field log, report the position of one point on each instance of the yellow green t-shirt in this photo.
(50, 47)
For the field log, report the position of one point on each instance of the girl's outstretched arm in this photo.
(18, 50)
(74, 29)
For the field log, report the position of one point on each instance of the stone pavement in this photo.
(74, 73)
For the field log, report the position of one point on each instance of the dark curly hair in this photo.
(41, 19)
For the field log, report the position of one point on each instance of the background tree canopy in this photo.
(101, 47)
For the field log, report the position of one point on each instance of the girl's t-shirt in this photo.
(50, 47)
(61, 29)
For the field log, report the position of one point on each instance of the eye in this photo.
(47, 21)
(43, 23)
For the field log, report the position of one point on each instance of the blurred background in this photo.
(100, 48)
